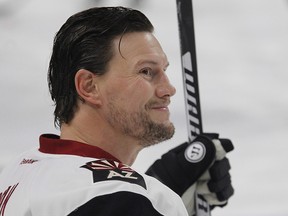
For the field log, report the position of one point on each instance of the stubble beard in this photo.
(140, 126)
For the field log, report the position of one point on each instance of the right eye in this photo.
(147, 72)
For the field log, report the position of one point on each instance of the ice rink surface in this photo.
(242, 51)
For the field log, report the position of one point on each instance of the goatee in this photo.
(139, 125)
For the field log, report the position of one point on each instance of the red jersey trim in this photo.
(52, 144)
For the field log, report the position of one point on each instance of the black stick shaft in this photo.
(191, 85)
(189, 67)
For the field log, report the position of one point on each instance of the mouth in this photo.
(159, 111)
(160, 106)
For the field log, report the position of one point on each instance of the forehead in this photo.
(138, 47)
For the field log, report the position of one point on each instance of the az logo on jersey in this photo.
(104, 170)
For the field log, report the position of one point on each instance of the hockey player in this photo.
(107, 79)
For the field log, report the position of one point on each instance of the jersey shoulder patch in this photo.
(105, 170)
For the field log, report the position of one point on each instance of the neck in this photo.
(120, 146)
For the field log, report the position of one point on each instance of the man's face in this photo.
(136, 90)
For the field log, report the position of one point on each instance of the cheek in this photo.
(136, 96)
(142, 90)
(130, 93)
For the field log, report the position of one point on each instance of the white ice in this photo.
(242, 51)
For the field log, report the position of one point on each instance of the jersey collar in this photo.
(52, 144)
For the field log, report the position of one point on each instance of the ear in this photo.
(86, 86)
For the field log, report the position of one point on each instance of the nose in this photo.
(165, 88)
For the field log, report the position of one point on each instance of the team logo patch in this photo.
(104, 170)
(195, 152)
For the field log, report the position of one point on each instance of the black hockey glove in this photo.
(197, 167)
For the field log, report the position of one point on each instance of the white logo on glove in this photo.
(195, 152)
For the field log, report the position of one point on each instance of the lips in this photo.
(159, 105)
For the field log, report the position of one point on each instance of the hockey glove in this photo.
(197, 167)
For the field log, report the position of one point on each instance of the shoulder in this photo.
(106, 187)
(119, 203)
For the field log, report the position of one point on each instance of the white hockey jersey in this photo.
(68, 178)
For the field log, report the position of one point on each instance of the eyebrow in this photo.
(148, 61)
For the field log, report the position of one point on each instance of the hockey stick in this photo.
(190, 80)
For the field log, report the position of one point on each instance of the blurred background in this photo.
(242, 51)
